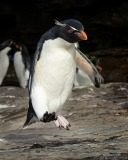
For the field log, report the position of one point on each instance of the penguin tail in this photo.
(31, 116)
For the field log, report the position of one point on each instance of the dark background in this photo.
(105, 22)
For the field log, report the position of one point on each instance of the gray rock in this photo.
(98, 129)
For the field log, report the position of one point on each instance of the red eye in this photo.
(70, 30)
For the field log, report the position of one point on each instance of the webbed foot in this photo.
(61, 122)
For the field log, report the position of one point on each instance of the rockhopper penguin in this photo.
(52, 72)
(5, 48)
(22, 64)
(18, 53)
(82, 78)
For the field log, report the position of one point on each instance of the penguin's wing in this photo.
(5, 44)
(87, 66)
(31, 115)
(35, 59)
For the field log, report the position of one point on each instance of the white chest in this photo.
(82, 79)
(55, 71)
(3, 54)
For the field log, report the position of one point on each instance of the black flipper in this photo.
(31, 115)
(95, 76)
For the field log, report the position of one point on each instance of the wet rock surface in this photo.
(99, 126)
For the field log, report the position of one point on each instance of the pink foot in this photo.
(62, 122)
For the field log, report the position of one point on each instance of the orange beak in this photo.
(17, 46)
(99, 68)
(82, 35)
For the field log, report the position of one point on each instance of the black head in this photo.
(71, 30)
(96, 64)
(5, 44)
(16, 45)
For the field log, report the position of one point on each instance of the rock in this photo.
(114, 63)
(98, 129)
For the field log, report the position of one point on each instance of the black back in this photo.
(5, 44)
(25, 56)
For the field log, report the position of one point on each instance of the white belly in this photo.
(21, 72)
(82, 79)
(4, 63)
(54, 75)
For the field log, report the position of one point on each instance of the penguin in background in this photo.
(85, 70)
(22, 64)
(18, 53)
(82, 78)
(53, 71)
(5, 48)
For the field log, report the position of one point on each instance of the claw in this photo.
(62, 122)
(57, 123)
